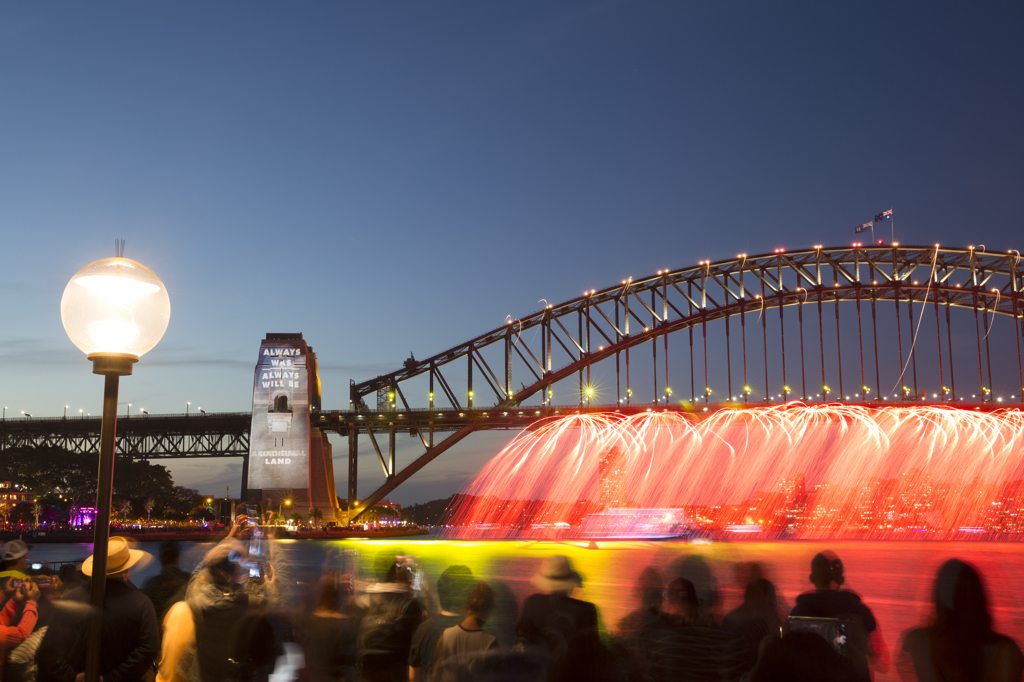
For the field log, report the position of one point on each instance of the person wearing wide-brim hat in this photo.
(131, 634)
(562, 627)
(120, 558)
(557, 575)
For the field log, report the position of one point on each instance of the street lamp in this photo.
(286, 502)
(115, 310)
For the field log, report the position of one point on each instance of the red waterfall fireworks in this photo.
(794, 470)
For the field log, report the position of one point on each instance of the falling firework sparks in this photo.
(822, 470)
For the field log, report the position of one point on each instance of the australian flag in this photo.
(862, 228)
(883, 215)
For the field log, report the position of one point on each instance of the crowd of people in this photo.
(242, 615)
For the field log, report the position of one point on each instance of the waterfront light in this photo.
(114, 310)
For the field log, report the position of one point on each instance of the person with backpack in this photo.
(385, 636)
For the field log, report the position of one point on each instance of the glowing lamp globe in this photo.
(115, 306)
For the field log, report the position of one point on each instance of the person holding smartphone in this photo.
(25, 599)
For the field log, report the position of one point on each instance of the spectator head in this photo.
(170, 552)
(480, 602)
(70, 576)
(222, 561)
(960, 596)
(15, 555)
(760, 591)
(649, 589)
(826, 568)
(399, 573)
(681, 599)
(557, 575)
(334, 589)
(453, 587)
(121, 556)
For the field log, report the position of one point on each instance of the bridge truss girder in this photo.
(150, 437)
(688, 299)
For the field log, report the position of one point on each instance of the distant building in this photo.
(611, 473)
(12, 493)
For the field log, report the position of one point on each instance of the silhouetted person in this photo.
(832, 602)
(682, 606)
(385, 634)
(130, 639)
(453, 588)
(200, 632)
(755, 619)
(802, 657)
(330, 632)
(649, 592)
(686, 644)
(960, 644)
(829, 600)
(563, 628)
(168, 586)
(759, 602)
(462, 648)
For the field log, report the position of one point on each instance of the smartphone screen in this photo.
(36, 566)
(254, 572)
(15, 583)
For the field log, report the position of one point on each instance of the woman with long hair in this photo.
(960, 644)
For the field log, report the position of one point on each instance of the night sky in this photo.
(389, 178)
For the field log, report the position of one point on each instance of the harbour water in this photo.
(894, 578)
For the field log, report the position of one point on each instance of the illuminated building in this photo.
(611, 474)
(288, 458)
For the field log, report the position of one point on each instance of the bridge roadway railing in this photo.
(141, 437)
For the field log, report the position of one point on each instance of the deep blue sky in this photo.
(396, 177)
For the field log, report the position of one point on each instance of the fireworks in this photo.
(797, 469)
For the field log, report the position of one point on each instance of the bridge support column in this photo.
(244, 495)
(353, 465)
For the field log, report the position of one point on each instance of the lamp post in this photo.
(115, 310)
(285, 503)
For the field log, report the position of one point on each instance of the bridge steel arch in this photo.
(606, 325)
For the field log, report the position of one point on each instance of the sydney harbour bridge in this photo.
(875, 324)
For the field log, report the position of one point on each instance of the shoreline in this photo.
(198, 535)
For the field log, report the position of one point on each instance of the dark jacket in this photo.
(218, 610)
(130, 639)
(834, 604)
(166, 588)
(566, 630)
